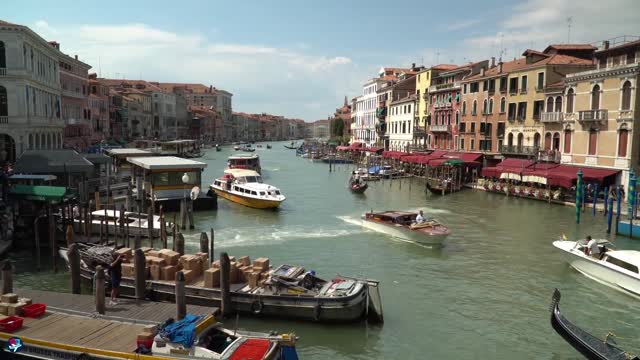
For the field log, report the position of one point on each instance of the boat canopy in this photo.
(40, 193)
(165, 163)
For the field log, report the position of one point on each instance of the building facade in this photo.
(422, 114)
(400, 122)
(600, 111)
(30, 93)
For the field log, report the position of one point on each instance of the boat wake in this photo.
(255, 236)
(351, 220)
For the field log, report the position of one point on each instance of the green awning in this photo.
(39, 193)
(454, 162)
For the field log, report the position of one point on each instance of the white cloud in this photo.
(261, 77)
(44, 27)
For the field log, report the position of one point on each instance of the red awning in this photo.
(372, 149)
(567, 175)
(508, 166)
(342, 148)
(390, 154)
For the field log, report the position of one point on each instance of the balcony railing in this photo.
(551, 117)
(3, 71)
(513, 92)
(4, 119)
(593, 115)
(439, 87)
(519, 150)
(419, 131)
(440, 128)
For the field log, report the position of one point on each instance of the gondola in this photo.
(268, 146)
(358, 188)
(291, 147)
(588, 345)
(218, 148)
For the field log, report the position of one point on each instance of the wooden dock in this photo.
(129, 310)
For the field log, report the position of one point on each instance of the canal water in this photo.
(484, 295)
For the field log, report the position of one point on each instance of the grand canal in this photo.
(484, 295)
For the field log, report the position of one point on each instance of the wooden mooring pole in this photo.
(225, 271)
(204, 242)
(181, 301)
(180, 244)
(100, 292)
(140, 273)
(74, 264)
(211, 255)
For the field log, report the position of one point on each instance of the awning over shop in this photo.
(390, 154)
(373, 149)
(566, 175)
(39, 193)
(510, 169)
(52, 162)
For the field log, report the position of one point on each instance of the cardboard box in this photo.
(244, 261)
(215, 264)
(9, 298)
(233, 274)
(127, 253)
(4, 308)
(154, 260)
(145, 250)
(189, 276)
(261, 264)
(128, 270)
(190, 262)
(170, 256)
(232, 258)
(254, 277)
(153, 253)
(25, 301)
(169, 272)
(212, 278)
(15, 309)
(155, 272)
(150, 329)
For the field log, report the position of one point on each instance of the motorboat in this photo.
(245, 187)
(268, 146)
(136, 222)
(365, 175)
(388, 172)
(588, 345)
(402, 224)
(615, 268)
(218, 148)
(284, 291)
(244, 161)
(236, 147)
(248, 148)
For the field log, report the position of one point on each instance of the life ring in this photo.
(256, 307)
(316, 312)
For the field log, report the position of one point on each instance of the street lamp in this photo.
(183, 208)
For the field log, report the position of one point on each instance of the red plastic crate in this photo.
(11, 323)
(34, 310)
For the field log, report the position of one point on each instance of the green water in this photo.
(484, 295)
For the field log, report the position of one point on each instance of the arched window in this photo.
(49, 142)
(3, 57)
(520, 140)
(448, 118)
(491, 106)
(567, 141)
(547, 141)
(623, 138)
(485, 107)
(626, 96)
(556, 141)
(464, 108)
(4, 102)
(595, 98)
(510, 139)
(59, 141)
(503, 105)
(474, 107)
(30, 141)
(457, 117)
(593, 141)
(570, 95)
(549, 104)
(536, 140)
(558, 107)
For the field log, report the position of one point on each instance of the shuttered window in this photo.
(567, 141)
(593, 142)
(622, 143)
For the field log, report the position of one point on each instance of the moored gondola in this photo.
(588, 345)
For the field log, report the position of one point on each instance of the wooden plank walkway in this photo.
(129, 310)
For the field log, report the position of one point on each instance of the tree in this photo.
(337, 127)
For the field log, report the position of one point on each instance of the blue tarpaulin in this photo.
(374, 169)
(183, 331)
(289, 353)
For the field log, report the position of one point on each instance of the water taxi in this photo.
(244, 161)
(246, 187)
(402, 224)
(615, 268)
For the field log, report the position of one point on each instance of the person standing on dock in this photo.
(115, 272)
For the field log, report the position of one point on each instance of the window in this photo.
(464, 88)
(538, 106)
(457, 117)
(492, 85)
(512, 111)
(464, 108)
(595, 98)
(570, 95)
(490, 106)
(474, 108)
(3, 58)
(522, 110)
(558, 107)
(503, 105)
(485, 107)
(623, 136)
(626, 96)
(623, 264)
(549, 104)
(503, 84)
(513, 85)
(540, 81)
(473, 127)
(593, 141)
(474, 87)
(631, 57)
(449, 119)
(4, 103)
(461, 144)
(472, 144)
(523, 84)
(485, 85)
(463, 127)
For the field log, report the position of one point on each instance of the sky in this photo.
(301, 58)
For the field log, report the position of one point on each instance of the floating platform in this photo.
(625, 228)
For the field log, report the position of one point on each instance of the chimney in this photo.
(500, 67)
(413, 66)
(482, 71)
(210, 89)
(55, 44)
(76, 57)
(605, 45)
(493, 61)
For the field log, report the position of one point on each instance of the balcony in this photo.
(3, 71)
(4, 120)
(419, 131)
(519, 150)
(593, 115)
(550, 156)
(438, 87)
(425, 96)
(440, 128)
(513, 92)
(552, 117)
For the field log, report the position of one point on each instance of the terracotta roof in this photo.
(560, 59)
(131, 84)
(521, 64)
(570, 47)
(444, 67)
(534, 52)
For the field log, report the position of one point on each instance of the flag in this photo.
(564, 237)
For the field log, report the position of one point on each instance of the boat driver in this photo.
(592, 245)
(420, 218)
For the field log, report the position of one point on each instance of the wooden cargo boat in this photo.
(137, 222)
(287, 292)
(588, 345)
(401, 224)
